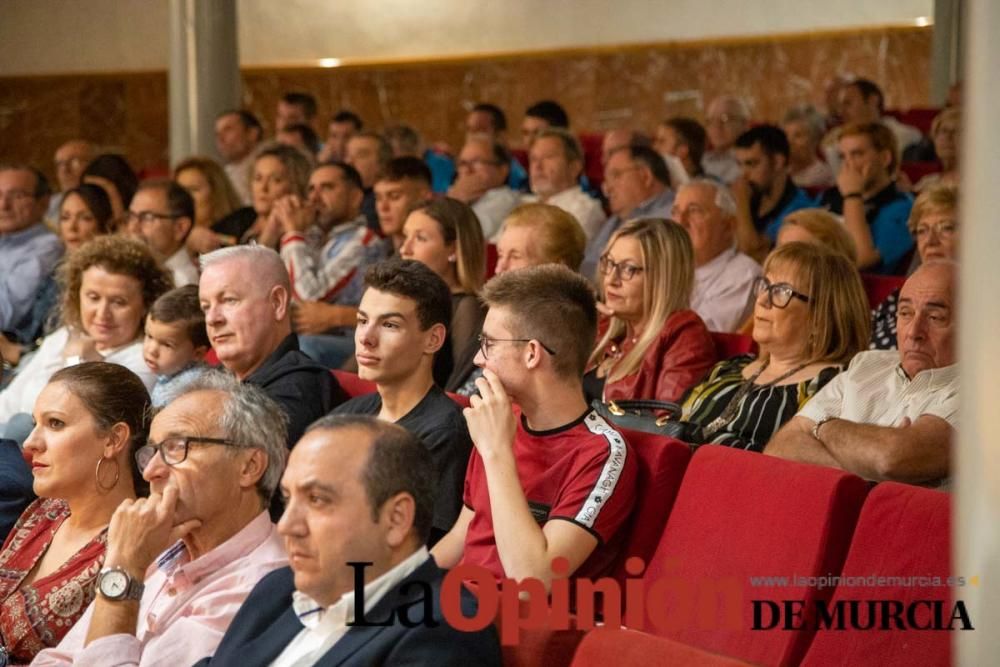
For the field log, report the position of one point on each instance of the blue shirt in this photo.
(888, 216)
(793, 198)
(442, 170)
(518, 179)
(26, 258)
(656, 207)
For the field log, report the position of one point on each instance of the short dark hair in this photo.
(572, 150)
(549, 111)
(397, 463)
(345, 116)
(179, 201)
(407, 167)
(413, 280)
(306, 134)
(867, 88)
(182, 306)
(304, 100)
(496, 114)
(552, 304)
(649, 158)
(382, 146)
(115, 168)
(349, 173)
(691, 133)
(249, 121)
(41, 188)
(772, 139)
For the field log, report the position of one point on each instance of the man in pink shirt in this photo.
(214, 458)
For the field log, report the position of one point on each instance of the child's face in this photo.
(167, 348)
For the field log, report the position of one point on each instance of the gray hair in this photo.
(266, 262)
(251, 420)
(723, 198)
(808, 116)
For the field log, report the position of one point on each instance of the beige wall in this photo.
(61, 36)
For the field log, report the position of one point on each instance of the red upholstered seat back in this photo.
(903, 531)
(353, 384)
(879, 287)
(740, 515)
(919, 117)
(729, 345)
(615, 646)
(593, 162)
(917, 170)
(491, 260)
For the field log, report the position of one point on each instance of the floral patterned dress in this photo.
(37, 615)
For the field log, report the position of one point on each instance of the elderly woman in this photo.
(214, 198)
(84, 213)
(934, 224)
(810, 318)
(805, 127)
(445, 235)
(91, 419)
(108, 285)
(277, 171)
(944, 134)
(655, 346)
(817, 225)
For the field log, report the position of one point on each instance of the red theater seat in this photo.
(491, 260)
(593, 161)
(879, 287)
(729, 345)
(614, 646)
(352, 384)
(917, 170)
(740, 515)
(919, 117)
(903, 531)
(521, 156)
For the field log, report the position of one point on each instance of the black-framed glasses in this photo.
(624, 270)
(174, 450)
(485, 343)
(146, 217)
(778, 294)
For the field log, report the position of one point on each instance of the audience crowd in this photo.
(224, 390)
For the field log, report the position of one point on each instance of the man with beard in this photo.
(765, 193)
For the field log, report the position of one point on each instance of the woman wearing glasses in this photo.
(655, 346)
(108, 286)
(810, 319)
(934, 224)
(91, 419)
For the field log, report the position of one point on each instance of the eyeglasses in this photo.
(625, 271)
(943, 229)
(779, 294)
(147, 217)
(485, 343)
(174, 450)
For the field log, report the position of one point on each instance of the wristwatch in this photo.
(815, 431)
(116, 584)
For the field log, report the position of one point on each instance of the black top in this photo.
(761, 221)
(15, 486)
(369, 211)
(305, 389)
(884, 324)
(834, 202)
(438, 422)
(236, 223)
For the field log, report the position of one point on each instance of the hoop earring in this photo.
(97, 474)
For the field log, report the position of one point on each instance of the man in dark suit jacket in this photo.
(357, 490)
(15, 486)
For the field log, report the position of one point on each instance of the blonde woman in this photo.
(944, 134)
(536, 234)
(214, 198)
(655, 346)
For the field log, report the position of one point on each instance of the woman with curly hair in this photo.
(108, 286)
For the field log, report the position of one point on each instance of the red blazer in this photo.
(680, 357)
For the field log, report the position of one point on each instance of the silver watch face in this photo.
(114, 583)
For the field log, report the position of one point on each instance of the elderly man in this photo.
(723, 276)
(162, 215)
(28, 250)
(180, 563)
(245, 293)
(556, 161)
(490, 120)
(727, 118)
(891, 415)
(482, 183)
(637, 185)
(765, 193)
(369, 153)
(876, 212)
(360, 496)
(237, 134)
(71, 158)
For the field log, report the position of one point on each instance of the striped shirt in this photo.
(762, 411)
(875, 390)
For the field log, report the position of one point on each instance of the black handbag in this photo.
(648, 416)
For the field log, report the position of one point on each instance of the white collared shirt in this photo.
(721, 294)
(875, 390)
(584, 208)
(182, 268)
(325, 626)
(493, 207)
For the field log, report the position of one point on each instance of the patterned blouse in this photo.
(762, 411)
(37, 615)
(884, 324)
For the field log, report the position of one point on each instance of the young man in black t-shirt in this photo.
(402, 323)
